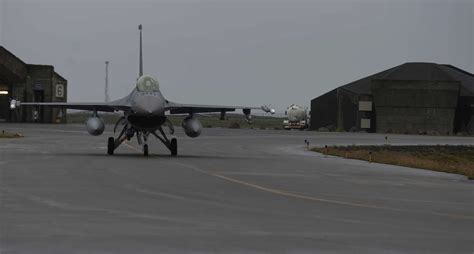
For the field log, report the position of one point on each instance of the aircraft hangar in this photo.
(30, 83)
(412, 98)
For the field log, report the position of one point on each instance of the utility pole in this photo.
(107, 82)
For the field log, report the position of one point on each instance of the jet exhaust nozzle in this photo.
(192, 126)
(95, 125)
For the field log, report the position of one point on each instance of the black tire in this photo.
(145, 150)
(110, 146)
(174, 147)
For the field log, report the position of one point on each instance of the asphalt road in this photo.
(228, 191)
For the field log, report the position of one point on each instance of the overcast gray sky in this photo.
(235, 52)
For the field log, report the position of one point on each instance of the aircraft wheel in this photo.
(110, 146)
(145, 150)
(174, 147)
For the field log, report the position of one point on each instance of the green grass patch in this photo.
(5, 134)
(450, 159)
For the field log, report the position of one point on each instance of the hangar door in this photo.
(415, 106)
(4, 102)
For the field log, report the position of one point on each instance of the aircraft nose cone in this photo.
(148, 105)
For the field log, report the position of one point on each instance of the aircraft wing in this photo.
(178, 108)
(106, 107)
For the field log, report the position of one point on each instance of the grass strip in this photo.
(443, 158)
(4, 134)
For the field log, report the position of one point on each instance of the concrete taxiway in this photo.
(228, 191)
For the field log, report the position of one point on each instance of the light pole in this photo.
(106, 81)
(141, 56)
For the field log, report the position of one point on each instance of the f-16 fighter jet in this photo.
(144, 113)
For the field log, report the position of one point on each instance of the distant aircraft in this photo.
(144, 113)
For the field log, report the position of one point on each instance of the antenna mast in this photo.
(141, 52)
(106, 82)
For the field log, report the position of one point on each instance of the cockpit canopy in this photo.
(147, 84)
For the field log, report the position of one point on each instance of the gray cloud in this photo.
(235, 52)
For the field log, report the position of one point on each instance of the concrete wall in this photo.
(22, 79)
(464, 120)
(338, 110)
(366, 114)
(56, 81)
(12, 72)
(44, 77)
(347, 110)
(324, 111)
(415, 106)
(39, 76)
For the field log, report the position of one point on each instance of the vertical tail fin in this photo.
(141, 52)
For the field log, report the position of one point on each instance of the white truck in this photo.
(297, 118)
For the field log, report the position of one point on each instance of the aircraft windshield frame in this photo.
(147, 84)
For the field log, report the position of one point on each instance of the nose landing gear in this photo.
(174, 147)
(110, 146)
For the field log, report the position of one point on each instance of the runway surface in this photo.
(228, 191)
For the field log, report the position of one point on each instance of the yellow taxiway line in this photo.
(313, 199)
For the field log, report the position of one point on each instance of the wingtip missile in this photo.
(267, 109)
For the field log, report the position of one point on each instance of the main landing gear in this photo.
(172, 144)
(127, 133)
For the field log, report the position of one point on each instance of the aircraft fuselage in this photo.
(147, 111)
